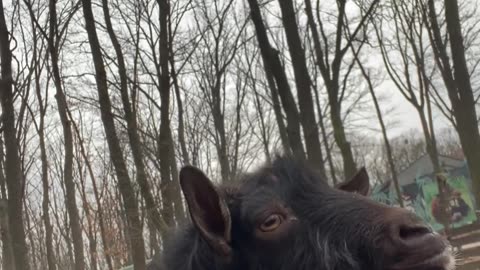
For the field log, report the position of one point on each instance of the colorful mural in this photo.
(422, 198)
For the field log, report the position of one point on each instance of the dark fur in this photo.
(336, 230)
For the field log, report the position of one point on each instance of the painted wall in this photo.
(420, 196)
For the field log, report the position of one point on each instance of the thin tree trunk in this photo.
(465, 112)
(154, 244)
(92, 241)
(331, 75)
(179, 210)
(135, 144)
(219, 123)
(13, 172)
(45, 184)
(166, 185)
(92, 248)
(7, 252)
(273, 65)
(325, 138)
(171, 195)
(332, 85)
(67, 233)
(163, 152)
(430, 145)
(96, 193)
(388, 147)
(124, 183)
(432, 151)
(277, 109)
(32, 245)
(68, 141)
(50, 254)
(413, 42)
(261, 118)
(303, 82)
(181, 123)
(458, 85)
(176, 87)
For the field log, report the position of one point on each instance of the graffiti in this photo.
(460, 204)
(422, 198)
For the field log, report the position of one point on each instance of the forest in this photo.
(103, 101)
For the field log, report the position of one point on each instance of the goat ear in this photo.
(359, 183)
(208, 209)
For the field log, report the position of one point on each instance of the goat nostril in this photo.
(409, 232)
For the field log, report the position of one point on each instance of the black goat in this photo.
(284, 216)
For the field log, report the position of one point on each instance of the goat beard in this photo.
(324, 253)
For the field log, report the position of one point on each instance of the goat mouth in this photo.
(440, 261)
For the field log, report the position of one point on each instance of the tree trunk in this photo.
(179, 210)
(349, 166)
(96, 193)
(92, 248)
(277, 109)
(13, 172)
(7, 252)
(90, 218)
(181, 123)
(166, 184)
(458, 85)
(125, 186)
(304, 93)
(219, 123)
(465, 112)
(32, 244)
(165, 151)
(50, 254)
(154, 245)
(135, 144)
(325, 138)
(261, 118)
(273, 66)
(331, 74)
(68, 141)
(432, 151)
(388, 147)
(45, 183)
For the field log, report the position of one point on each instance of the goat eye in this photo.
(271, 223)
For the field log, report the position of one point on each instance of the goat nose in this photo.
(412, 234)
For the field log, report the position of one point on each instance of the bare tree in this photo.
(278, 82)
(331, 71)
(89, 216)
(132, 128)
(42, 103)
(166, 151)
(100, 212)
(456, 77)
(173, 25)
(53, 46)
(303, 83)
(388, 147)
(13, 173)
(410, 75)
(220, 44)
(125, 185)
(7, 251)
